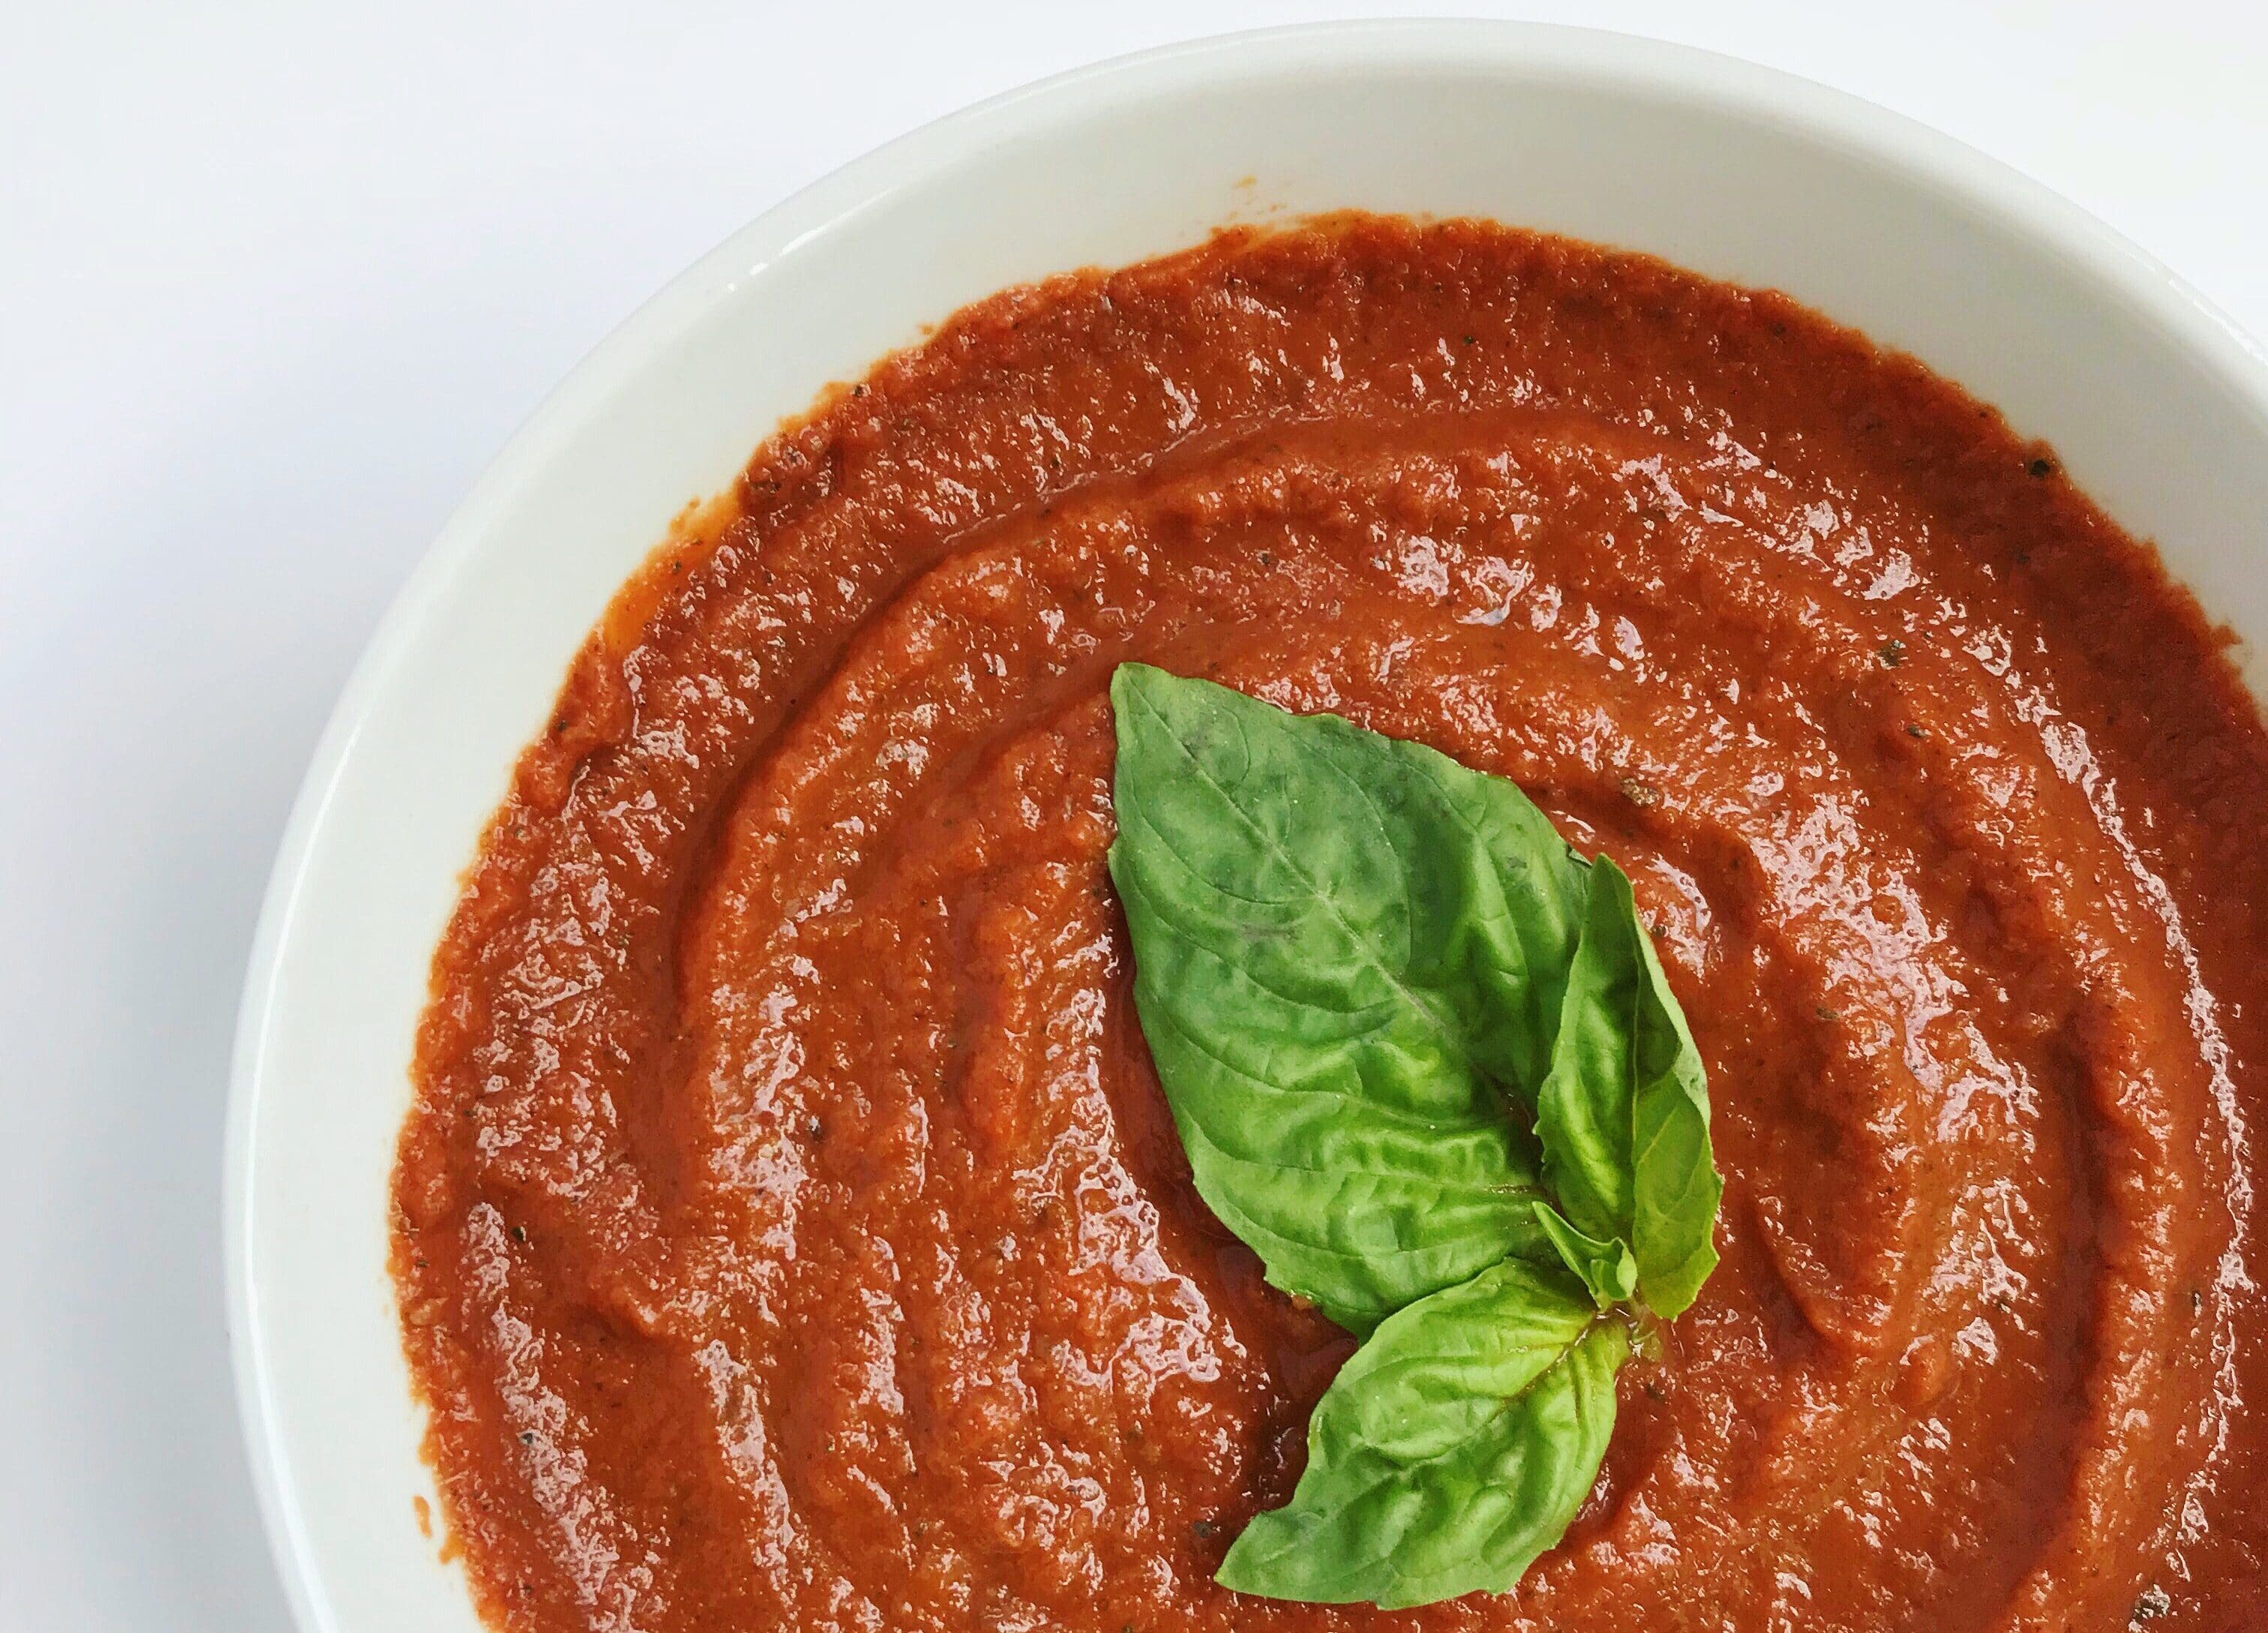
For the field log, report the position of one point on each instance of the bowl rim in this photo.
(2118, 268)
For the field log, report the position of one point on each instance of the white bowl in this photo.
(2158, 407)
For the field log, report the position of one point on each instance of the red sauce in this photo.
(791, 1233)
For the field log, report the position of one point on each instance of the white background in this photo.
(275, 282)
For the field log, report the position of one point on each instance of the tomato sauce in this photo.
(790, 1232)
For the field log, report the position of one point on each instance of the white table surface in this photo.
(276, 280)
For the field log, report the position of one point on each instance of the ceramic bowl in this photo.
(2158, 407)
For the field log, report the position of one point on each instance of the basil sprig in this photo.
(1424, 1061)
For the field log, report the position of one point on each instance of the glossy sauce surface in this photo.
(790, 1231)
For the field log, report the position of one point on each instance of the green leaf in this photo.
(1348, 951)
(1425, 1062)
(1452, 1449)
(1606, 1267)
(1624, 1117)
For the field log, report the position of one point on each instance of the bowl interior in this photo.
(2158, 409)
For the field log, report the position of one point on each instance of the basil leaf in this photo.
(1452, 1449)
(1624, 1117)
(1361, 968)
(1346, 949)
(1607, 1269)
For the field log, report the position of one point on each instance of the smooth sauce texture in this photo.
(791, 1233)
